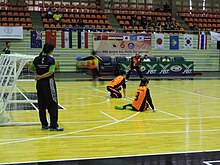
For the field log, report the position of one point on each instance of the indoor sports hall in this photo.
(183, 129)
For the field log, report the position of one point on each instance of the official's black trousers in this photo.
(47, 99)
(137, 68)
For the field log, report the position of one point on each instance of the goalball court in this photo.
(186, 121)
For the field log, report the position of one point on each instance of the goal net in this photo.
(13, 68)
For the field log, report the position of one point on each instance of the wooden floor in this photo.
(187, 119)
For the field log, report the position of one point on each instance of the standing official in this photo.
(44, 65)
(135, 63)
(7, 50)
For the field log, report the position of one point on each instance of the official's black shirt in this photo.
(6, 51)
(43, 63)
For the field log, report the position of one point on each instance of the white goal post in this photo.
(11, 66)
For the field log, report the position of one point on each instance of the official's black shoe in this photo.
(44, 128)
(57, 129)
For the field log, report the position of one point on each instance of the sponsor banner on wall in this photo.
(162, 68)
(11, 32)
(121, 44)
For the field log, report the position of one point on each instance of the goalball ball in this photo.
(78, 58)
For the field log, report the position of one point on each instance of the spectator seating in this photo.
(108, 64)
(201, 20)
(15, 14)
(179, 59)
(120, 59)
(132, 19)
(91, 15)
(153, 58)
(161, 58)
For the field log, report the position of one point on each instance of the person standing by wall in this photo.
(44, 65)
(7, 50)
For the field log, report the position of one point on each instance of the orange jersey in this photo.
(117, 82)
(92, 64)
(139, 102)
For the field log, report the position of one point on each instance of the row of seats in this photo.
(15, 14)
(75, 10)
(70, 6)
(202, 15)
(197, 11)
(141, 13)
(26, 26)
(14, 9)
(13, 4)
(94, 28)
(94, 18)
(15, 20)
(130, 8)
(201, 19)
(82, 16)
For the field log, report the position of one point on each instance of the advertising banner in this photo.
(162, 68)
(121, 44)
(11, 32)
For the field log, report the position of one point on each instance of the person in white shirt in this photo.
(146, 58)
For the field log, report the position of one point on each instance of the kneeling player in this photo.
(114, 86)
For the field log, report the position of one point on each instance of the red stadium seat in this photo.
(96, 21)
(121, 22)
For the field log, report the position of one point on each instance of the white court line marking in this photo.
(96, 89)
(137, 134)
(211, 161)
(173, 115)
(128, 134)
(169, 113)
(109, 116)
(101, 121)
(130, 99)
(193, 93)
(88, 129)
(207, 163)
(83, 105)
(58, 135)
